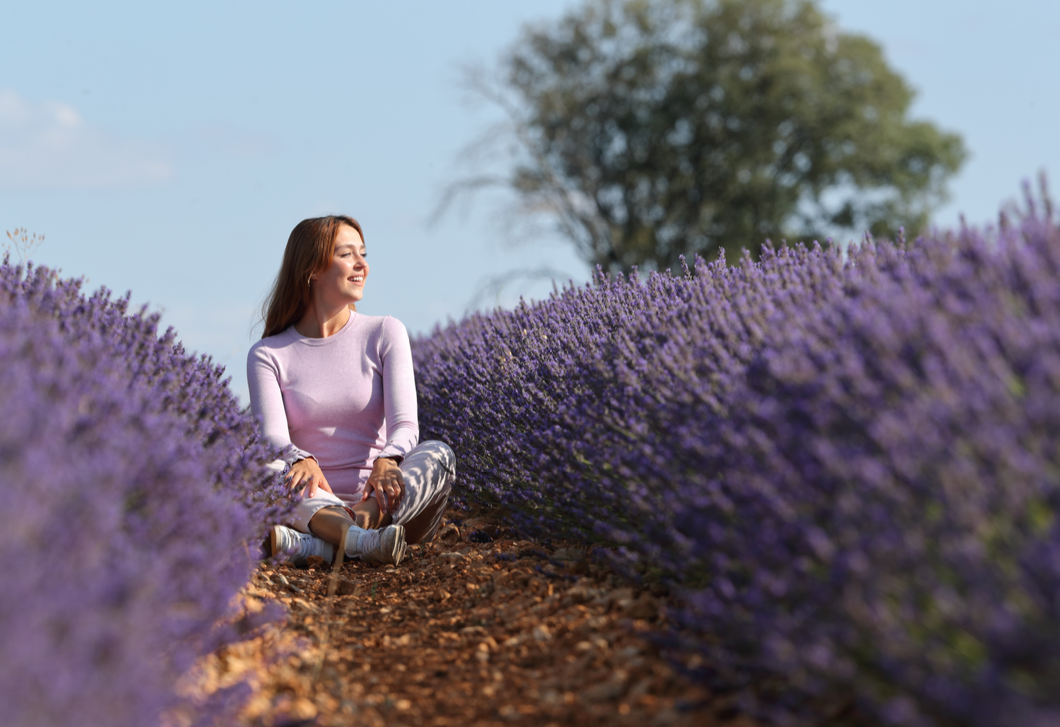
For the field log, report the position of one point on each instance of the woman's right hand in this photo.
(306, 473)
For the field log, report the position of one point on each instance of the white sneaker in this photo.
(287, 544)
(385, 546)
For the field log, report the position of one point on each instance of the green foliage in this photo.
(650, 129)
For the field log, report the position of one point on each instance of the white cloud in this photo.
(48, 145)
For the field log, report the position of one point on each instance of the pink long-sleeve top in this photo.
(345, 400)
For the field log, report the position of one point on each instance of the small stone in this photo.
(582, 593)
(619, 598)
(641, 688)
(569, 554)
(610, 689)
(346, 587)
(257, 705)
(298, 709)
(256, 592)
(602, 692)
(665, 718)
(644, 608)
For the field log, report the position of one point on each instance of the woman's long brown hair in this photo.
(309, 250)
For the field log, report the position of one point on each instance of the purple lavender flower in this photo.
(133, 489)
(847, 461)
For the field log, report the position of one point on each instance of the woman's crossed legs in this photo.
(428, 471)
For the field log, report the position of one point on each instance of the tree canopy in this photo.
(650, 129)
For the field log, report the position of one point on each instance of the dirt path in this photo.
(461, 633)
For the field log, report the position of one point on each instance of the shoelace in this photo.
(369, 541)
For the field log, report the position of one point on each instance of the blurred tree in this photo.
(647, 129)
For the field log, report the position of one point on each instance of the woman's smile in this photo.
(343, 281)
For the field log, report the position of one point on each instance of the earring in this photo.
(309, 281)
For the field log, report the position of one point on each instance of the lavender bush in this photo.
(134, 490)
(847, 461)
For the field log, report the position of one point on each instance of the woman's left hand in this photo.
(387, 484)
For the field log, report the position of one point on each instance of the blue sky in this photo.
(169, 149)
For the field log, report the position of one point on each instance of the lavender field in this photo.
(134, 491)
(844, 461)
(847, 462)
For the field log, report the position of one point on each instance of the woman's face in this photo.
(343, 282)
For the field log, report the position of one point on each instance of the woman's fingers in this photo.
(387, 484)
(388, 488)
(399, 488)
(305, 475)
(375, 488)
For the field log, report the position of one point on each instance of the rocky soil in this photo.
(503, 632)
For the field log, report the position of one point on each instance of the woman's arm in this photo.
(402, 424)
(399, 391)
(266, 403)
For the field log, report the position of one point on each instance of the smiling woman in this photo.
(343, 281)
(335, 390)
(310, 250)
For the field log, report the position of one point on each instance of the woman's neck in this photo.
(320, 323)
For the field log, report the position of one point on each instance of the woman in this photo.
(335, 390)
